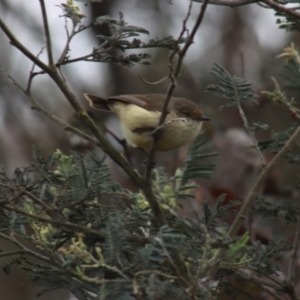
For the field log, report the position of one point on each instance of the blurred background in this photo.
(244, 40)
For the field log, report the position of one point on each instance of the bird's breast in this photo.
(137, 124)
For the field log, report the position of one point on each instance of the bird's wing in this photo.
(152, 102)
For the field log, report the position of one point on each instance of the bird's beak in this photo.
(204, 118)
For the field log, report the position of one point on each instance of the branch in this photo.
(14, 42)
(280, 8)
(247, 127)
(238, 221)
(245, 119)
(103, 143)
(230, 3)
(270, 3)
(35, 199)
(293, 258)
(47, 33)
(260, 181)
(24, 250)
(36, 106)
(173, 75)
(67, 46)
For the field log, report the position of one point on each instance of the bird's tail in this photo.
(97, 102)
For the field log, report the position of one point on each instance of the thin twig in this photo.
(266, 286)
(36, 106)
(174, 265)
(36, 200)
(105, 145)
(293, 258)
(174, 73)
(15, 42)
(289, 11)
(245, 120)
(47, 33)
(238, 221)
(67, 46)
(71, 226)
(230, 3)
(250, 132)
(103, 142)
(32, 74)
(154, 82)
(24, 250)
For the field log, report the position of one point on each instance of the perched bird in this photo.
(139, 116)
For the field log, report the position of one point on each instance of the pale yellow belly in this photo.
(175, 134)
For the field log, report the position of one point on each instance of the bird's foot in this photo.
(149, 164)
(157, 132)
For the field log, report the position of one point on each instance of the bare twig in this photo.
(155, 82)
(247, 127)
(245, 119)
(175, 266)
(254, 192)
(47, 33)
(24, 250)
(293, 258)
(289, 11)
(36, 200)
(230, 3)
(57, 120)
(103, 143)
(259, 182)
(15, 42)
(66, 48)
(174, 73)
(71, 226)
(33, 74)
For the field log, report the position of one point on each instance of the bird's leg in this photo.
(157, 132)
(123, 143)
(148, 164)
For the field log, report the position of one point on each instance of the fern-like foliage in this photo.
(195, 167)
(286, 95)
(292, 75)
(99, 240)
(233, 88)
(287, 22)
(95, 245)
(122, 37)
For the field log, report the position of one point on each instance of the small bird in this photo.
(139, 117)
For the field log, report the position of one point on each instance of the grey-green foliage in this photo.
(195, 166)
(119, 39)
(287, 22)
(231, 87)
(286, 210)
(122, 37)
(288, 95)
(117, 252)
(101, 240)
(292, 75)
